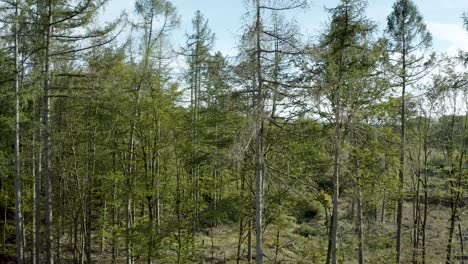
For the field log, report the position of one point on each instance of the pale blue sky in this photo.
(442, 17)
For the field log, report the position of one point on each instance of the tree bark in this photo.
(359, 217)
(401, 172)
(18, 188)
(259, 167)
(47, 137)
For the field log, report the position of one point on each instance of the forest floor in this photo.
(307, 243)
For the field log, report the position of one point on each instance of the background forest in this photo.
(351, 148)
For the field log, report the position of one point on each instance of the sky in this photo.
(443, 19)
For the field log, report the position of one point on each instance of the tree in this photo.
(451, 87)
(258, 34)
(144, 162)
(348, 57)
(424, 143)
(154, 20)
(407, 38)
(199, 44)
(56, 20)
(18, 188)
(15, 27)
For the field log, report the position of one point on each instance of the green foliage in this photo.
(307, 230)
(408, 41)
(406, 28)
(139, 167)
(306, 212)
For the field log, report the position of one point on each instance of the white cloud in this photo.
(449, 38)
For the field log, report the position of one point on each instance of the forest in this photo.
(349, 146)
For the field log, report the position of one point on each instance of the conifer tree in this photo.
(259, 36)
(409, 41)
(18, 187)
(349, 57)
(197, 51)
(59, 37)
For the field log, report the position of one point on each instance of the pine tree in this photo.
(14, 19)
(197, 51)
(407, 37)
(18, 187)
(56, 19)
(348, 57)
(258, 36)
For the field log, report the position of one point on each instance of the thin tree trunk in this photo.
(33, 193)
(401, 172)
(336, 172)
(4, 224)
(417, 207)
(450, 234)
(424, 220)
(178, 212)
(249, 241)
(90, 175)
(456, 185)
(195, 97)
(337, 145)
(360, 220)
(128, 224)
(38, 189)
(103, 227)
(47, 139)
(241, 235)
(329, 230)
(241, 218)
(114, 208)
(75, 236)
(258, 143)
(18, 188)
(277, 245)
(382, 213)
(424, 224)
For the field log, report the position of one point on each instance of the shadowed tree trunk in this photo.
(18, 188)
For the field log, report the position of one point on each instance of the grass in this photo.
(307, 242)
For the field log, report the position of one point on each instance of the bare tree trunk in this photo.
(382, 213)
(4, 223)
(115, 212)
(90, 175)
(455, 184)
(329, 239)
(417, 204)
(241, 217)
(18, 188)
(425, 186)
(128, 220)
(360, 220)
(241, 236)
(450, 234)
(38, 189)
(401, 172)
(336, 172)
(47, 139)
(277, 245)
(337, 105)
(460, 236)
(178, 212)
(249, 241)
(258, 143)
(33, 193)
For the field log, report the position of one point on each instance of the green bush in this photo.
(306, 230)
(306, 212)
